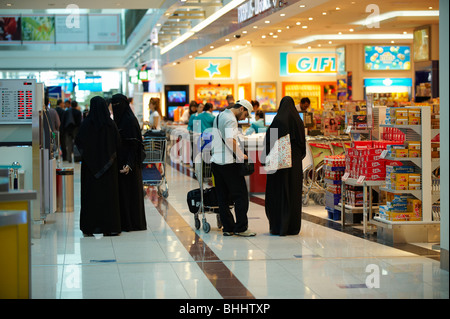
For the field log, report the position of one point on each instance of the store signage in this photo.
(213, 68)
(252, 8)
(318, 63)
(388, 82)
(387, 57)
(91, 83)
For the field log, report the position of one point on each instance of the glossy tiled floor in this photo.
(172, 260)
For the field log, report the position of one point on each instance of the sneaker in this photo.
(227, 233)
(246, 233)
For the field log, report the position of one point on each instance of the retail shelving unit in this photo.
(426, 230)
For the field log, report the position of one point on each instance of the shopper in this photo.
(284, 186)
(229, 183)
(71, 123)
(304, 104)
(98, 141)
(130, 164)
(154, 120)
(258, 125)
(205, 119)
(193, 105)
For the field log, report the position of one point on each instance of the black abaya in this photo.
(283, 201)
(131, 187)
(98, 141)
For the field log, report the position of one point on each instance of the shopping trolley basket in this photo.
(202, 165)
(154, 164)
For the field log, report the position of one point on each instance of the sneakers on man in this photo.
(228, 233)
(246, 233)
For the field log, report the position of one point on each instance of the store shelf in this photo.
(390, 222)
(353, 208)
(354, 182)
(416, 128)
(416, 193)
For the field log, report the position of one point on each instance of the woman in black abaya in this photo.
(284, 186)
(130, 164)
(98, 141)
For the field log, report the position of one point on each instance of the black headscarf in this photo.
(98, 138)
(129, 130)
(287, 121)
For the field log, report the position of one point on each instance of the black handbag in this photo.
(246, 168)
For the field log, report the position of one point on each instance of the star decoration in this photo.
(212, 69)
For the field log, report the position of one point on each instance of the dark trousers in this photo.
(231, 185)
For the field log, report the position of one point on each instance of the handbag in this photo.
(281, 154)
(246, 168)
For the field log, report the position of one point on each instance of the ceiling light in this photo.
(200, 52)
(392, 41)
(310, 18)
(275, 36)
(287, 27)
(298, 23)
(324, 13)
(309, 47)
(211, 47)
(190, 57)
(255, 27)
(282, 14)
(263, 36)
(302, 6)
(395, 14)
(339, 32)
(249, 42)
(330, 42)
(271, 33)
(305, 27)
(245, 32)
(279, 30)
(319, 45)
(404, 32)
(431, 8)
(227, 40)
(8, 4)
(337, 8)
(351, 30)
(377, 36)
(267, 21)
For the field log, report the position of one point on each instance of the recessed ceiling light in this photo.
(8, 4)
(255, 27)
(310, 18)
(244, 32)
(287, 27)
(305, 27)
(227, 40)
(319, 45)
(271, 33)
(211, 47)
(267, 21)
(279, 30)
(324, 13)
(190, 57)
(249, 42)
(339, 32)
(282, 14)
(431, 8)
(351, 30)
(404, 32)
(329, 42)
(200, 52)
(302, 6)
(275, 36)
(392, 41)
(298, 23)
(337, 8)
(174, 63)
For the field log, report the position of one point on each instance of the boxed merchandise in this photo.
(401, 177)
(415, 206)
(414, 145)
(414, 178)
(377, 163)
(399, 113)
(359, 122)
(401, 152)
(414, 120)
(414, 153)
(413, 186)
(401, 121)
(401, 186)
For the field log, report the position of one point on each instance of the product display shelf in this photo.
(367, 208)
(427, 229)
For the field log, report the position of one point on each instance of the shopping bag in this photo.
(281, 154)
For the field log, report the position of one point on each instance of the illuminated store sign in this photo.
(252, 8)
(387, 57)
(217, 68)
(319, 63)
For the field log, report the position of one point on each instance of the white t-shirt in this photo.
(151, 119)
(228, 128)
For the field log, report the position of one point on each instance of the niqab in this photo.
(95, 140)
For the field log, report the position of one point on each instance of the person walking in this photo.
(98, 142)
(130, 164)
(283, 201)
(230, 184)
(71, 124)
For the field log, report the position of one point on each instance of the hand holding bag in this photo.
(281, 154)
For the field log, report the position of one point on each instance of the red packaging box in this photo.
(370, 164)
(368, 171)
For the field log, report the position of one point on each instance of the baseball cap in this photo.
(246, 104)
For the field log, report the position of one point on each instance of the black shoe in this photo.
(111, 234)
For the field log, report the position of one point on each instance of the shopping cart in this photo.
(202, 166)
(154, 164)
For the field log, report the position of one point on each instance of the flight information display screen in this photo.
(16, 101)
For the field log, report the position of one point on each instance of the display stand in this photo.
(426, 230)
